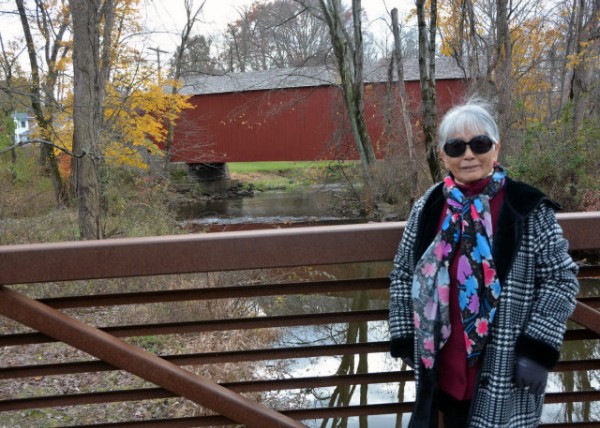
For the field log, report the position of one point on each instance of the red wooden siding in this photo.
(299, 124)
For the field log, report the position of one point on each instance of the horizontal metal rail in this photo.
(203, 358)
(164, 255)
(214, 325)
(284, 289)
(587, 316)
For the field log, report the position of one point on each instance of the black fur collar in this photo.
(519, 201)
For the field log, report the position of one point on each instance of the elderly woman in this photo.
(482, 287)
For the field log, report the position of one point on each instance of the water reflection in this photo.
(576, 350)
(343, 333)
(582, 380)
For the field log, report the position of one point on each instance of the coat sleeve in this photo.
(556, 287)
(401, 278)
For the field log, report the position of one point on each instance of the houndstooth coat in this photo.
(539, 286)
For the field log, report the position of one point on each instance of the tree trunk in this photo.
(397, 58)
(473, 49)
(427, 78)
(578, 93)
(9, 108)
(192, 16)
(349, 53)
(47, 157)
(565, 76)
(90, 74)
(503, 72)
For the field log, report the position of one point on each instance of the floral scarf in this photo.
(478, 285)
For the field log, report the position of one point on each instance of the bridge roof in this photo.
(301, 77)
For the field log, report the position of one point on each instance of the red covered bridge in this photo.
(294, 114)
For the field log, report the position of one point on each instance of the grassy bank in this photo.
(289, 175)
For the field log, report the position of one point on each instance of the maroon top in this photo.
(455, 377)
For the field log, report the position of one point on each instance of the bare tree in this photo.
(43, 102)
(427, 38)
(9, 66)
(348, 52)
(586, 29)
(466, 45)
(277, 34)
(503, 68)
(198, 58)
(397, 59)
(91, 65)
(191, 14)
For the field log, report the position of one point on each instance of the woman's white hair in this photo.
(473, 116)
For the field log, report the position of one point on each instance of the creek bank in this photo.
(273, 200)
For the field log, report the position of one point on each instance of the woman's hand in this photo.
(531, 374)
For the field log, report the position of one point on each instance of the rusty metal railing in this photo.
(227, 251)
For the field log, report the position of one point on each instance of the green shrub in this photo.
(560, 162)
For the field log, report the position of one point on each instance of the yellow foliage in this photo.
(139, 122)
(533, 41)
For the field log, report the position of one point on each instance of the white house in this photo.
(22, 126)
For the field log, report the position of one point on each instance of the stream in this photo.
(276, 208)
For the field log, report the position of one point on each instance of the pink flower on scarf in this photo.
(446, 330)
(468, 343)
(474, 304)
(442, 249)
(474, 212)
(428, 270)
(428, 344)
(443, 294)
(489, 273)
(416, 320)
(487, 223)
(427, 362)
(430, 309)
(481, 326)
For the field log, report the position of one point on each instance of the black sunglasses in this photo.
(456, 147)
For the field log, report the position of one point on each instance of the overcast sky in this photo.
(165, 18)
(168, 16)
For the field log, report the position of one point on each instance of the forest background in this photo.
(94, 82)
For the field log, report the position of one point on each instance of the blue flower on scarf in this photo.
(416, 287)
(443, 278)
(483, 246)
(498, 175)
(456, 236)
(446, 222)
(457, 195)
(463, 300)
(478, 205)
(471, 286)
(495, 286)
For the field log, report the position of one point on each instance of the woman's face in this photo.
(470, 167)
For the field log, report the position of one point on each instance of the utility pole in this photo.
(158, 52)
